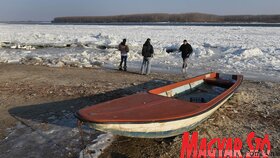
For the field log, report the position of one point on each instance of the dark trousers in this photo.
(184, 63)
(123, 60)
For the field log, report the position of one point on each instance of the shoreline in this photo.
(46, 99)
(176, 71)
(245, 24)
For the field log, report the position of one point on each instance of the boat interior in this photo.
(200, 91)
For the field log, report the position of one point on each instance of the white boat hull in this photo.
(157, 129)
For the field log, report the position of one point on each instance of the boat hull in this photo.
(157, 129)
(165, 111)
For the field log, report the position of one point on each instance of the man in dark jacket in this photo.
(186, 50)
(147, 53)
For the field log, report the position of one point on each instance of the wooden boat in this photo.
(165, 111)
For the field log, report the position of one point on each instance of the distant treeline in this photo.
(162, 17)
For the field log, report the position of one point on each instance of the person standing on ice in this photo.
(123, 48)
(186, 50)
(147, 53)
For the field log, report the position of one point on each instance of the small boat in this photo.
(163, 112)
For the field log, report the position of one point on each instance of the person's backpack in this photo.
(126, 48)
(190, 51)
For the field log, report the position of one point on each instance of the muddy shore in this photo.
(39, 96)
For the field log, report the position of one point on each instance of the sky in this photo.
(46, 10)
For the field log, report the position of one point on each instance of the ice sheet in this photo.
(251, 51)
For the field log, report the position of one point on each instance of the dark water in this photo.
(156, 24)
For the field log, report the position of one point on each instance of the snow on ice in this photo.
(252, 51)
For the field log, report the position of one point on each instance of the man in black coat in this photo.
(147, 53)
(186, 50)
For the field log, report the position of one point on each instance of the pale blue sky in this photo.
(46, 10)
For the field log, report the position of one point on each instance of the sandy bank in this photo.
(46, 98)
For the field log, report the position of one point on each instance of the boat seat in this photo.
(219, 82)
(197, 100)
